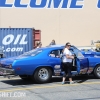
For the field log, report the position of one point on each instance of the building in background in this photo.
(77, 26)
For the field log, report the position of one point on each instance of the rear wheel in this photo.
(97, 71)
(42, 75)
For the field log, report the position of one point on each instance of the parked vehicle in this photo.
(2, 55)
(43, 63)
(97, 44)
(90, 53)
(16, 41)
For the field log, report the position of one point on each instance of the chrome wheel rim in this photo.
(43, 73)
(98, 71)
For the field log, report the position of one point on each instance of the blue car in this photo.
(90, 53)
(43, 63)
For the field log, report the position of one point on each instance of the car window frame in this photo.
(55, 50)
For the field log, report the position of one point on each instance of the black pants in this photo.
(67, 67)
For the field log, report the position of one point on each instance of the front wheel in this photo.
(42, 75)
(97, 71)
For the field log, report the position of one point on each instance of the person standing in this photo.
(39, 45)
(67, 63)
(53, 42)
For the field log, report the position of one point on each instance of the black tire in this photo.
(37, 77)
(25, 77)
(97, 72)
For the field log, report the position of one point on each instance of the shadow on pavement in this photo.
(83, 78)
(77, 79)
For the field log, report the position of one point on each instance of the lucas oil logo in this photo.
(15, 42)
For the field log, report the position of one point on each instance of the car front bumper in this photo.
(6, 71)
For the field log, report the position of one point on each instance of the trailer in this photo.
(16, 41)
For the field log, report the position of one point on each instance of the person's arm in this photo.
(69, 57)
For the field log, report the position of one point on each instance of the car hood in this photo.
(90, 53)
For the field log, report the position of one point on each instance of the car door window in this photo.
(78, 53)
(55, 53)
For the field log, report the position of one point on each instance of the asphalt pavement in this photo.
(84, 88)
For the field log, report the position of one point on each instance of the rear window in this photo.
(32, 52)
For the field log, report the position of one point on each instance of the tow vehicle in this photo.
(43, 63)
(91, 51)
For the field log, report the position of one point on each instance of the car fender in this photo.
(46, 66)
(93, 62)
(96, 65)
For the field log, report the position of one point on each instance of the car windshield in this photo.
(77, 52)
(33, 52)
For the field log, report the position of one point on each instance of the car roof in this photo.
(51, 47)
(54, 47)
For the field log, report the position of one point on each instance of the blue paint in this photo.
(42, 4)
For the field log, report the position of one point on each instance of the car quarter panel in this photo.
(29, 65)
(93, 62)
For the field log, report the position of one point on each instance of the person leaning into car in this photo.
(67, 58)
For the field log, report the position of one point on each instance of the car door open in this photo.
(81, 62)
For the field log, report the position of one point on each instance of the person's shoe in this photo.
(72, 82)
(63, 83)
